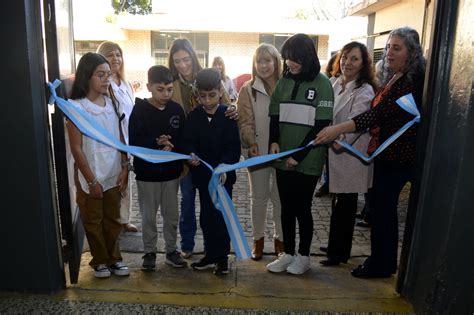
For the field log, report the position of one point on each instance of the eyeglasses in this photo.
(103, 76)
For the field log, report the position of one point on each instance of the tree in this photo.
(141, 7)
(326, 10)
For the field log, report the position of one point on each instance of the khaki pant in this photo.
(101, 220)
(263, 188)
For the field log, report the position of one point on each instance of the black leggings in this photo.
(296, 194)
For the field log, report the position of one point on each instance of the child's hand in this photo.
(194, 160)
(274, 148)
(95, 191)
(291, 162)
(122, 180)
(222, 178)
(253, 150)
(164, 140)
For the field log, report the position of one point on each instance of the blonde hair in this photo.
(273, 52)
(105, 48)
(219, 61)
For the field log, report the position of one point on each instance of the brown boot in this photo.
(279, 247)
(257, 250)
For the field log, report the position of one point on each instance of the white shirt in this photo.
(104, 161)
(124, 95)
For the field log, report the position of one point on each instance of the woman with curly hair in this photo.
(403, 70)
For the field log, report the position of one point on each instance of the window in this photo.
(83, 47)
(378, 54)
(278, 40)
(161, 43)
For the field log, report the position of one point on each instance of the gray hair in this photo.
(416, 63)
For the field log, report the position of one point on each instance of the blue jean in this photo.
(187, 216)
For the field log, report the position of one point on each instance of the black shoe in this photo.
(149, 262)
(363, 224)
(323, 249)
(359, 216)
(365, 272)
(204, 263)
(221, 268)
(330, 262)
(322, 191)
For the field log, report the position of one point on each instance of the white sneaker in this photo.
(119, 269)
(101, 271)
(281, 263)
(300, 265)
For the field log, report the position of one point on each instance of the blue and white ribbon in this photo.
(223, 202)
(89, 127)
(408, 104)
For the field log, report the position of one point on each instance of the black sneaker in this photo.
(174, 259)
(221, 268)
(204, 263)
(149, 262)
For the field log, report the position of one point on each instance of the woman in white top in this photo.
(229, 85)
(353, 84)
(102, 171)
(123, 92)
(254, 122)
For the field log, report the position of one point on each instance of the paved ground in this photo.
(131, 242)
(248, 289)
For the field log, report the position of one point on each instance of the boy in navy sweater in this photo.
(157, 123)
(214, 138)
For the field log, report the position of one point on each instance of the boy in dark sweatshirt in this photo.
(211, 136)
(157, 123)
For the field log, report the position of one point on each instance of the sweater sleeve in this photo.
(274, 113)
(231, 152)
(318, 126)
(137, 132)
(190, 136)
(368, 119)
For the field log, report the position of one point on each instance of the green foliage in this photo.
(141, 7)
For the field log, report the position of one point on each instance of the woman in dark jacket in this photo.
(403, 71)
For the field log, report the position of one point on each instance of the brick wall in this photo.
(323, 49)
(235, 48)
(137, 55)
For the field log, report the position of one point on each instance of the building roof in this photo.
(367, 7)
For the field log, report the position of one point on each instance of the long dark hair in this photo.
(85, 69)
(300, 48)
(185, 45)
(366, 73)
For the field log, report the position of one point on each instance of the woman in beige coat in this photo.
(254, 122)
(353, 86)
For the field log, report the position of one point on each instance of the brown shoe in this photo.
(129, 227)
(279, 247)
(257, 250)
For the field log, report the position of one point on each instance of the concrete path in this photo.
(248, 289)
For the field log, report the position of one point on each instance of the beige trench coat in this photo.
(347, 173)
